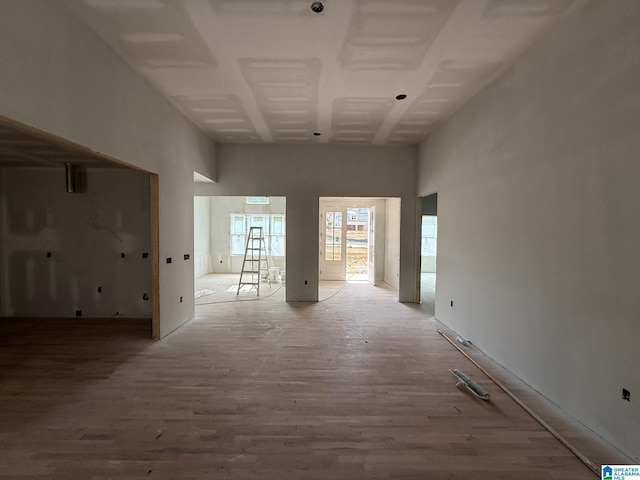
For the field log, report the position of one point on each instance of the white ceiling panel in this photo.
(273, 71)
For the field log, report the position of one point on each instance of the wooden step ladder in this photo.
(255, 261)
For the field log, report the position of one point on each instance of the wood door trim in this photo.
(155, 256)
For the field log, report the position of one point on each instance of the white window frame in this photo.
(275, 241)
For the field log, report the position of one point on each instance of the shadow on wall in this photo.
(71, 254)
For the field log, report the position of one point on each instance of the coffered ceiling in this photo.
(273, 71)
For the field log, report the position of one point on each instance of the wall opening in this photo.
(345, 236)
(222, 225)
(359, 241)
(428, 253)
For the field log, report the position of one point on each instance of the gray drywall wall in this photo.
(430, 204)
(201, 236)
(303, 174)
(385, 241)
(392, 248)
(176, 240)
(538, 184)
(59, 77)
(68, 252)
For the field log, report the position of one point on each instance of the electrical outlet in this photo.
(145, 255)
(186, 256)
(78, 313)
(169, 260)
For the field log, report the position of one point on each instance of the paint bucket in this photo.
(273, 274)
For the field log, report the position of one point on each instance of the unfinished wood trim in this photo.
(155, 256)
(4, 271)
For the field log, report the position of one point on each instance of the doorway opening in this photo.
(346, 241)
(221, 232)
(428, 253)
(359, 240)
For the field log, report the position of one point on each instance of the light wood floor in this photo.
(354, 387)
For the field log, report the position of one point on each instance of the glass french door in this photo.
(333, 244)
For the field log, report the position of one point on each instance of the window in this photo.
(257, 200)
(238, 234)
(273, 228)
(429, 235)
(277, 236)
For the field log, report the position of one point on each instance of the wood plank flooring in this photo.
(355, 387)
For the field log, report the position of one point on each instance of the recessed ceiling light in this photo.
(316, 134)
(402, 96)
(317, 7)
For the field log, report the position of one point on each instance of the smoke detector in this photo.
(317, 7)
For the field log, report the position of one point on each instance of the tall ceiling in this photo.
(273, 71)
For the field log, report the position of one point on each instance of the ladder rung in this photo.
(255, 243)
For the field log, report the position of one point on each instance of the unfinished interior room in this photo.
(445, 195)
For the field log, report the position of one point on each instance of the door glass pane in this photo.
(333, 236)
